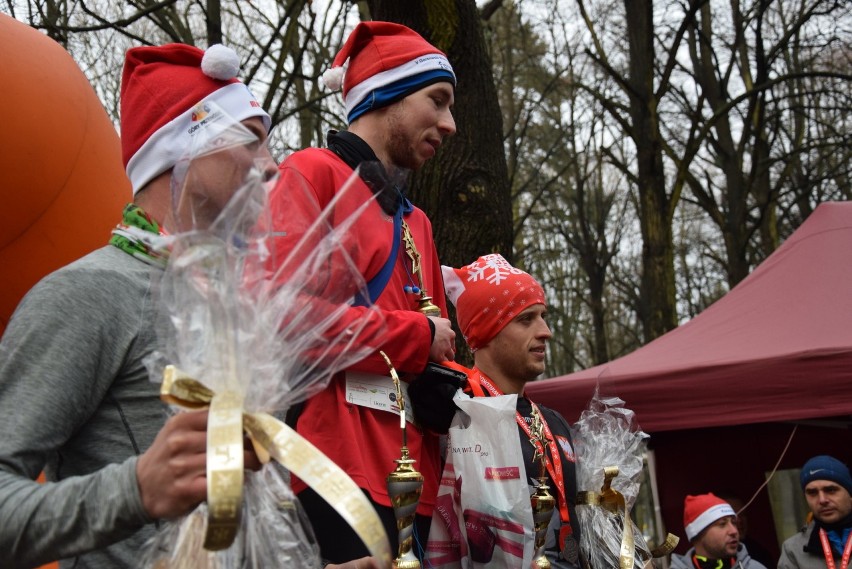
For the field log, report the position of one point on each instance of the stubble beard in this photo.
(399, 149)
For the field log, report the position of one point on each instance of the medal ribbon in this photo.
(271, 438)
(552, 463)
(829, 556)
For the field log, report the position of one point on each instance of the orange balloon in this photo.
(62, 181)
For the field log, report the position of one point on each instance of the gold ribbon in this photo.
(271, 439)
(666, 547)
(613, 501)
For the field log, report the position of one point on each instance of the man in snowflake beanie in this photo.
(73, 368)
(711, 528)
(502, 313)
(487, 295)
(398, 92)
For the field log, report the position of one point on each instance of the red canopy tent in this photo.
(776, 348)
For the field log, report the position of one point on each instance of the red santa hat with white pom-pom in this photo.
(488, 294)
(701, 511)
(386, 62)
(161, 88)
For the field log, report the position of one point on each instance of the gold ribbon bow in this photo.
(613, 501)
(271, 439)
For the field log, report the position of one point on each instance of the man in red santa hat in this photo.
(711, 528)
(398, 91)
(76, 399)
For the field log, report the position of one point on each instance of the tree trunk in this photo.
(657, 308)
(214, 22)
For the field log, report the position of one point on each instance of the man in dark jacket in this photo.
(825, 541)
(711, 528)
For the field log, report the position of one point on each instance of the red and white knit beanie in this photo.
(701, 511)
(488, 294)
(161, 87)
(387, 62)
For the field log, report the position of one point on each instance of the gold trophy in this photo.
(426, 306)
(404, 487)
(541, 500)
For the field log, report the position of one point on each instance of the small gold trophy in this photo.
(541, 500)
(404, 487)
(425, 302)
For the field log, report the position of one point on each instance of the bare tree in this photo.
(285, 46)
(759, 83)
(640, 157)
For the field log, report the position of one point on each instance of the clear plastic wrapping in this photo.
(606, 436)
(270, 325)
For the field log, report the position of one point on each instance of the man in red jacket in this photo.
(398, 91)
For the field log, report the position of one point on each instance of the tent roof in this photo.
(777, 347)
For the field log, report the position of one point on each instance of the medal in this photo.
(570, 550)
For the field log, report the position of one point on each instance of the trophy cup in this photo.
(404, 487)
(542, 501)
(425, 302)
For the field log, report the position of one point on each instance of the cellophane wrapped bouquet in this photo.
(607, 435)
(269, 327)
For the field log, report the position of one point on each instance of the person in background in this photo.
(826, 541)
(76, 399)
(711, 528)
(757, 551)
(398, 90)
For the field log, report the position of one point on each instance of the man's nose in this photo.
(266, 164)
(447, 124)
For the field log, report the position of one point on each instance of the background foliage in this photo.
(640, 157)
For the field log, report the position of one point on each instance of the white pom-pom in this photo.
(333, 78)
(220, 62)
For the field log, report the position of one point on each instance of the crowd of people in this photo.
(77, 403)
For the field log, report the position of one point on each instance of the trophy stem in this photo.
(404, 487)
(542, 501)
(542, 508)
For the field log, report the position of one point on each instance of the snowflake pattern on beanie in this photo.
(488, 294)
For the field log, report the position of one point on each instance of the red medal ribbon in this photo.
(829, 556)
(553, 463)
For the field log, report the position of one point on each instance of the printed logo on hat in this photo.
(203, 113)
(200, 111)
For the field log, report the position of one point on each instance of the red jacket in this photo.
(363, 441)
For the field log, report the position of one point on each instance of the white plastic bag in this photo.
(483, 516)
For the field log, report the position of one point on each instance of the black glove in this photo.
(431, 395)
